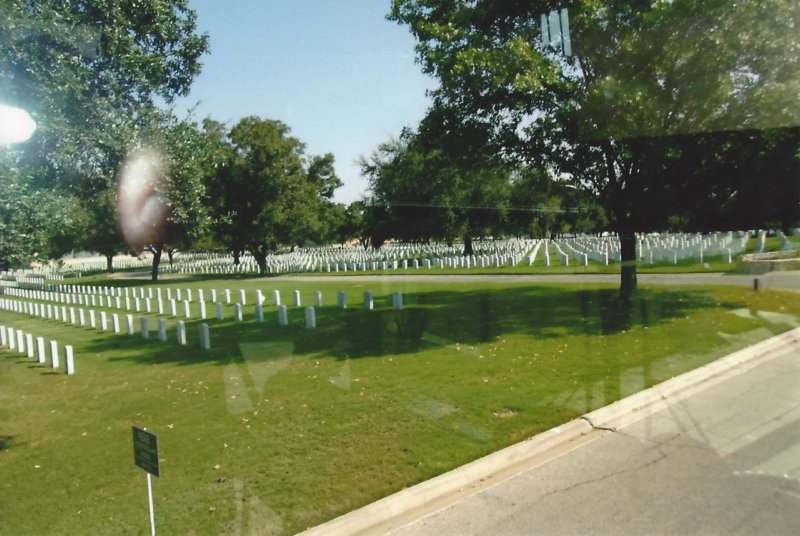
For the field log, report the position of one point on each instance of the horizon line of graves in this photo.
(83, 305)
(490, 253)
(44, 296)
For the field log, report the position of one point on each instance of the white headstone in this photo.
(311, 318)
(187, 313)
(397, 301)
(227, 295)
(54, 354)
(40, 349)
(69, 360)
(202, 306)
(20, 341)
(181, 332)
(162, 330)
(143, 326)
(237, 312)
(341, 299)
(242, 297)
(283, 316)
(318, 299)
(115, 322)
(129, 324)
(368, 300)
(220, 313)
(259, 312)
(205, 337)
(296, 298)
(29, 345)
(276, 297)
(92, 319)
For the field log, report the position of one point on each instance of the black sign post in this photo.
(145, 455)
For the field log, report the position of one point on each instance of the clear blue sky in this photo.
(336, 71)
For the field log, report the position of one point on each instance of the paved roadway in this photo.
(783, 280)
(725, 460)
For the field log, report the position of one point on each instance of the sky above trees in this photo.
(337, 72)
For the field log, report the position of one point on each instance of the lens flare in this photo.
(16, 125)
(142, 206)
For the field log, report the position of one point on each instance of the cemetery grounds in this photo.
(279, 428)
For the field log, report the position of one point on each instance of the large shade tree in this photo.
(90, 73)
(610, 107)
(34, 225)
(266, 192)
(162, 187)
(439, 182)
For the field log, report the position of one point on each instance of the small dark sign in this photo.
(145, 450)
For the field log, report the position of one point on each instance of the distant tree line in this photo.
(678, 114)
(659, 116)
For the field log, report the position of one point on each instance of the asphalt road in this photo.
(725, 460)
(782, 280)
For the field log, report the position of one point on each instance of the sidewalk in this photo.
(714, 451)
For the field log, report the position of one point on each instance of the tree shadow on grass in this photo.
(7, 441)
(429, 319)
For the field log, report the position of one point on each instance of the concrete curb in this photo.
(436, 493)
(370, 517)
(639, 405)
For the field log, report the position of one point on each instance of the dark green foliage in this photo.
(263, 195)
(90, 73)
(634, 115)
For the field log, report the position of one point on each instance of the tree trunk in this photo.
(236, 255)
(468, 246)
(110, 263)
(627, 285)
(170, 253)
(260, 255)
(157, 249)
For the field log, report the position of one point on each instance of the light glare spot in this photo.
(142, 208)
(16, 125)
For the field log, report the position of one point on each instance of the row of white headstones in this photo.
(651, 248)
(78, 316)
(22, 342)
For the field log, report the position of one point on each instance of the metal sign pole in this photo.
(145, 455)
(150, 500)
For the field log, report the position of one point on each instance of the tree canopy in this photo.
(266, 192)
(615, 110)
(92, 74)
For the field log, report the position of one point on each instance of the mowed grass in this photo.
(710, 264)
(276, 429)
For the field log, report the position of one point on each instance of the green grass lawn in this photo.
(283, 428)
(711, 264)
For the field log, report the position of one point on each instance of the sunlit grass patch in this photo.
(286, 427)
